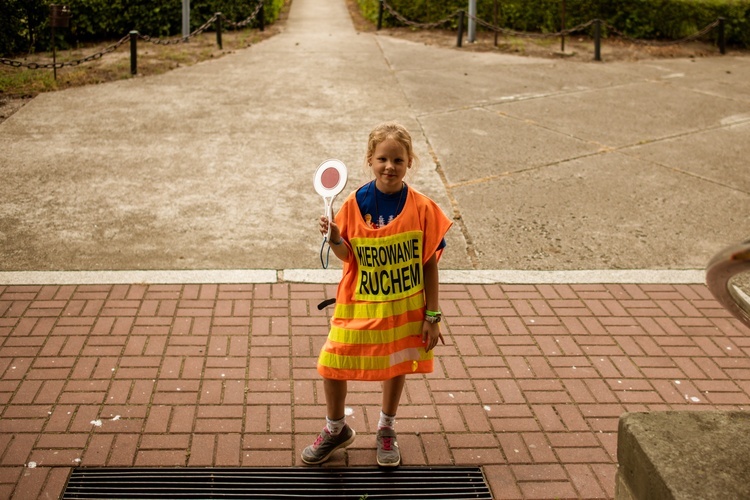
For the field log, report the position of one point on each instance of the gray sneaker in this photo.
(388, 454)
(326, 444)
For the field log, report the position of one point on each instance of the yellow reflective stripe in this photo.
(368, 310)
(338, 361)
(354, 362)
(345, 336)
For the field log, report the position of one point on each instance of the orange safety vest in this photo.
(376, 330)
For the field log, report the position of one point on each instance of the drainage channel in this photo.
(277, 483)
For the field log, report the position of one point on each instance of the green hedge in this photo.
(647, 19)
(26, 22)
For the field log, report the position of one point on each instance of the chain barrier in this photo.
(527, 34)
(92, 57)
(32, 65)
(174, 41)
(248, 20)
(418, 25)
(565, 32)
(689, 38)
(391, 10)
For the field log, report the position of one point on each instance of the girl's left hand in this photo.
(431, 334)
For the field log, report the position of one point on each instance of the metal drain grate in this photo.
(277, 483)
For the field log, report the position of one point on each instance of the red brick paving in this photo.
(530, 386)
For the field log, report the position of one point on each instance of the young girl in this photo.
(386, 321)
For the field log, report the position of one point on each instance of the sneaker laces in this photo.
(387, 443)
(320, 438)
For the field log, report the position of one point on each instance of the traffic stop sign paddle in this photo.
(330, 179)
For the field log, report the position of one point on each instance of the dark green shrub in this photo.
(26, 22)
(21, 21)
(12, 15)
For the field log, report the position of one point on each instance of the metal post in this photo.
(597, 40)
(133, 52)
(495, 21)
(262, 16)
(54, 54)
(380, 14)
(472, 21)
(218, 29)
(185, 18)
(460, 39)
(722, 38)
(59, 17)
(562, 37)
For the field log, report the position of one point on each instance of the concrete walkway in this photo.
(146, 226)
(545, 164)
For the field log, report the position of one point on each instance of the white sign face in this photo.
(329, 180)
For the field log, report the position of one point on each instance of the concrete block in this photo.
(680, 455)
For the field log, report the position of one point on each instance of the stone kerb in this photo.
(681, 455)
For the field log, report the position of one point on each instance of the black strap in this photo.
(326, 303)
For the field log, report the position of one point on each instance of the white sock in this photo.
(335, 426)
(386, 421)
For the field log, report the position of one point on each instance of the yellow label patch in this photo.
(389, 268)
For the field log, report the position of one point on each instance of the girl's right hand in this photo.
(335, 233)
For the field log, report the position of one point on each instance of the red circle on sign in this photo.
(330, 178)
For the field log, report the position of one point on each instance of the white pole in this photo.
(472, 23)
(185, 18)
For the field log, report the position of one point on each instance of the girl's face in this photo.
(389, 163)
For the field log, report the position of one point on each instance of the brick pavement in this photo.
(530, 385)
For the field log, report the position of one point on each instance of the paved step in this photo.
(530, 385)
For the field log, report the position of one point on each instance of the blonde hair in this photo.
(390, 130)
